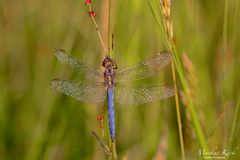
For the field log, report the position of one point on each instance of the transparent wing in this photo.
(144, 69)
(136, 94)
(90, 73)
(93, 93)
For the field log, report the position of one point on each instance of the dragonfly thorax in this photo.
(109, 74)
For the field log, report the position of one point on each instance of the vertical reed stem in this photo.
(97, 29)
(114, 151)
(233, 129)
(156, 9)
(111, 34)
(178, 112)
(166, 9)
(111, 24)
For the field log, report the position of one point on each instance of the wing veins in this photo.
(86, 92)
(141, 94)
(144, 69)
(90, 72)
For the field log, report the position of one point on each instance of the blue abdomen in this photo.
(110, 93)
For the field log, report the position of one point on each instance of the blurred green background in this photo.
(36, 122)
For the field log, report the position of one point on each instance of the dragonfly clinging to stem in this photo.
(113, 82)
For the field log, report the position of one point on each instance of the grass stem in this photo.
(103, 145)
(114, 151)
(111, 27)
(97, 29)
(155, 7)
(178, 112)
(166, 10)
(236, 118)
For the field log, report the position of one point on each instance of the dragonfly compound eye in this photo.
(108, 61)
(105, 62)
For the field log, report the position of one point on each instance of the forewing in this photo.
(90, 73)
(144, 69)
(140, 94)
(92, 93)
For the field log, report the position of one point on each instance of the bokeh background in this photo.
(36, 122)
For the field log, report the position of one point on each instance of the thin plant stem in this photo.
(158, 15)
(235, 24)
(225, 39)
(166, 10)
(236, 117)
(102, 128)
(97, 29)
(114, 151)
(178, 112)
(111, 27)
(103, 145)
(196, 123)
(224, 54)
(101, 123)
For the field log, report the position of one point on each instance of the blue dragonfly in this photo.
(112, 82)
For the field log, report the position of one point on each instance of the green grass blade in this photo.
(157, 13)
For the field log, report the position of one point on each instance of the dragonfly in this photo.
(113, 84)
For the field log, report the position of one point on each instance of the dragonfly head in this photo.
(108, 62)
